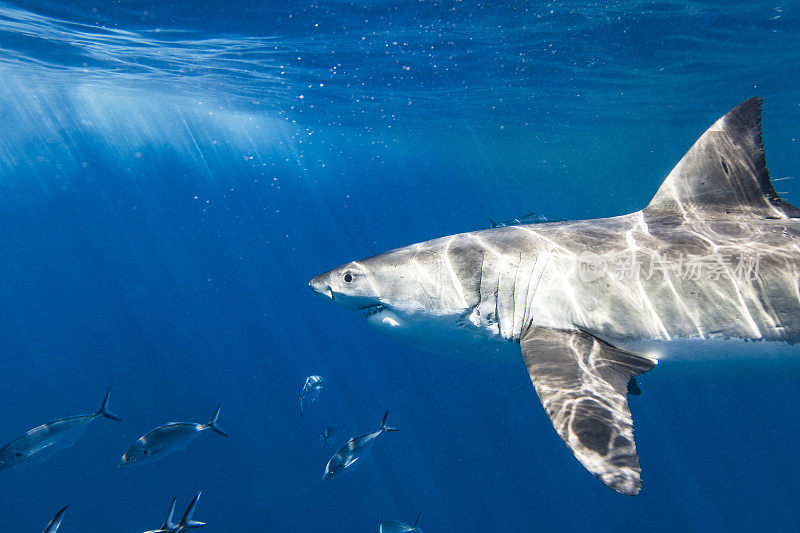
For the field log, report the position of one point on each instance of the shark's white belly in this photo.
(444, 336)
(722, 360)
(448, 335)
(709, 349)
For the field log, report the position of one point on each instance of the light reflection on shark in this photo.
(711, 263)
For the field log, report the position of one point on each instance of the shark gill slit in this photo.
(480, 282)
(473, 314)
(515, 298)
(540, 263)
(521, 283)
(497, 303)
(453, 277)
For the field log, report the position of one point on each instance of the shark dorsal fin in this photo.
(725, 171)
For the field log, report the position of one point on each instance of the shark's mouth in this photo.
(373, 309)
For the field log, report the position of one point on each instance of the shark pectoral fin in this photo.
(582, 384)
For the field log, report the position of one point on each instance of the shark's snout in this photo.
(319, 285)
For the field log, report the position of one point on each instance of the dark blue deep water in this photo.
(173, 173)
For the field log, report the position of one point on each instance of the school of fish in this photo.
(42, 442)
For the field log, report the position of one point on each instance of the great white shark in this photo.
(711, 263)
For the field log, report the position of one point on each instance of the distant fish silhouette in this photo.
(54, 524)
(326, 435)
(166, 439)
(40, 443)
(356, 449)
(530, 217)
(390, 526)
(310, 390)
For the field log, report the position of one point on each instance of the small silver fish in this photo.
(186, 523)
(310, 390)
(166, 439)
(326, 435)
(531, 217)
(391, 526)
(356, 448)
(54, 524)
(40, 443)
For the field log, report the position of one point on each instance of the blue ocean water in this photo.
(172, 174)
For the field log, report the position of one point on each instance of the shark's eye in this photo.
(348, 277)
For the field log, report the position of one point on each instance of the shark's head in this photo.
(354, 285)
(419, 293)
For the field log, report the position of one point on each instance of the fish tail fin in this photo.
(103, 411)
(300, 395)
(416, 522)
(186, 520)
(213, 426)
(384, 427)
(168, 523)
(55, 523)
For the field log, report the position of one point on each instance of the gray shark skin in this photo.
(718, 255)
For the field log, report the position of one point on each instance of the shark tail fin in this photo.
(186, 520)
(384, 427)
(725, 171)
(213, 425)
(55, 523)
(103, 411)
(168, 523)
